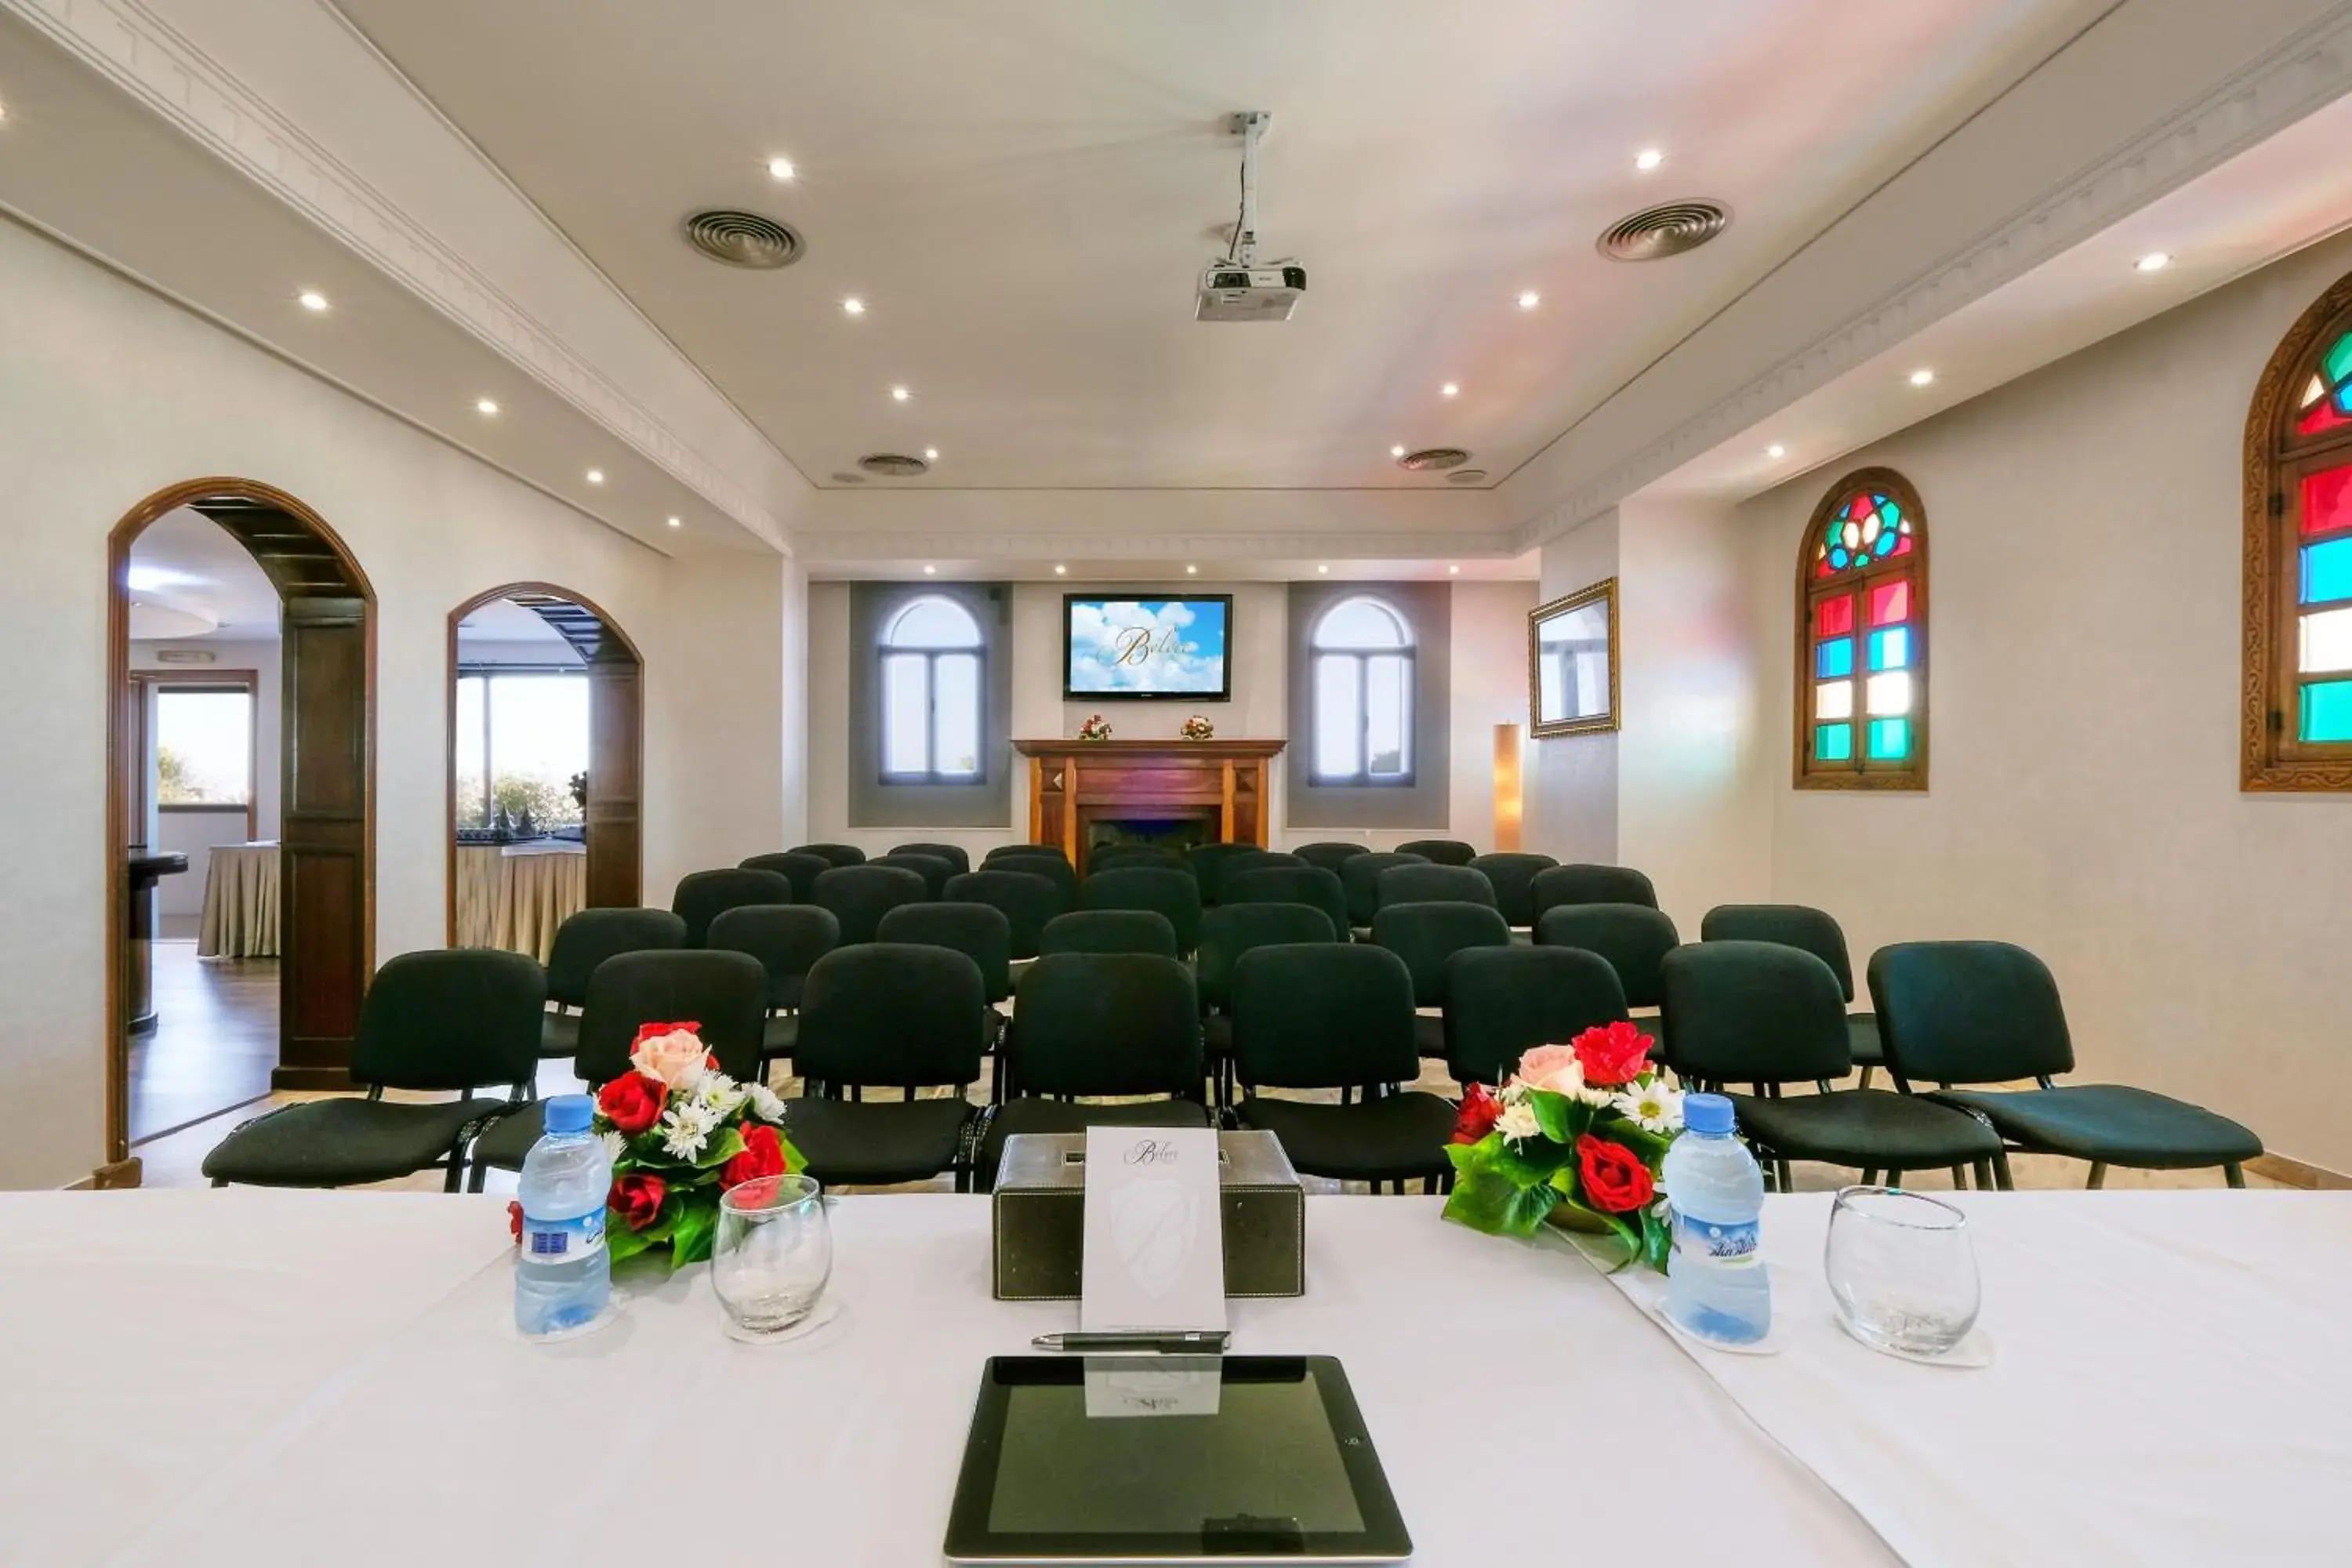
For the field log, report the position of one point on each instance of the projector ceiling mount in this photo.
(1237, 289)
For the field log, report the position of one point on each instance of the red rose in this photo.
(762, 1155)
(514, 1219)
(1615, 1179)
(1480, 1110)
(651, 1031)
(1617, 1054)
(632, 1102)
(637, 1198)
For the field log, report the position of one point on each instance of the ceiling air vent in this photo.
(894, 464)
(1466, 476)
(846, 478)
(1668, 230)
(743, 239)
(1433, 460)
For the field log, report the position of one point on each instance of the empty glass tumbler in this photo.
(1903, 1270)
(773, 1255)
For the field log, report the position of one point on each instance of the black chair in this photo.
(1115, 857)
(1634, 938)
(1433, 884)
(1441, 851)
(444, 1022)
(1309, 885)
(1338, 1015)
(1252, 858)
(1037, 863)
(833, 853)
(1109, 931)
(787, 940)
(860, 896)
(1360, 878)
(955, 855)
(702, 895)
(1590, 885)
(1025, 899)
(1001, 850)
(1425, 936)
(1331, 854)
(1986, 1012)
(586, 938)
(1228, 932)
(1163, 890)
(1208, 862)
(1513, 876)
(1100, 1024)
(888, 1015)
(796, 866)
(934, 871)
(977, 930)
(1501, 1002)
(1796, 925)
(1765, 1014)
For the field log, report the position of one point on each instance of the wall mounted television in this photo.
(1140, 648)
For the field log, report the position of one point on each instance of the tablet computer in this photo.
(1166, 1459)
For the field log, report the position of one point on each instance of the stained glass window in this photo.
(2297, 724)
(1861, 682)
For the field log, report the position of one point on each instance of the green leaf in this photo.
(698, 1223)
(1532, 1162)
(1561, 1119)
(1649, 1145)
(1617, 1225)
(1484, 1200)
(623, 1244)
(722, 1146)
(1657, 1237)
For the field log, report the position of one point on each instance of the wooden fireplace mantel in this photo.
(1222, 784)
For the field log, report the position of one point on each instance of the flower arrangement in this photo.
(1094, 729)
(1575, 1135)
(1198, 728)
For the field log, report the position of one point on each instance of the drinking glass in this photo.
(1903, 1270)
(771, 1256)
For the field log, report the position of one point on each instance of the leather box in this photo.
(1037, 1217)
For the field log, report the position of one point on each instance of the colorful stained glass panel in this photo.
(1833, 699)
(1834, 742)
(1833, 659)
(2338, 366)
(1890, 740)
(1833, 617)
(2326, 711)
(2327, 572)
(1889, 602)
(1890, 648)
(2327, 500)
(1890, 693)
(2326, 642)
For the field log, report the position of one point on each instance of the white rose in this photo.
(1519, 1122)
(766, 1103)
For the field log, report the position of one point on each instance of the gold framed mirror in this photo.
(1573, 663)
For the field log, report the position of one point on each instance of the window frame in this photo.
(150, 685)
(884, 651)
(2271, 757)
(1910, 774)
(1408, 655)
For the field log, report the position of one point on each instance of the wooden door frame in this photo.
(635, 738)
(122, 1169)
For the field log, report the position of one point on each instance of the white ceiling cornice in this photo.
(816, 548)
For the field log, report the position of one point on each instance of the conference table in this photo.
(514, 896)
(241, 909)
(252, 1376)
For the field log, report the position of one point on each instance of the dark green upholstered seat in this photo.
(1513, 876)
(1818, 932)
(1164, 890)
(955, 855)
(1309, 885)
(1633, 938)
(1440, 851)
(877, 1142)
(1230, 930)
(934, 871)
(980, 931)
(1049, 864)
(445, 1022)
(2110, 1124)
(786, 938)
(1025, 899)
(1329, 854)
(1394, 1137)
(1110, 931)
(1873, 1129)
(1433, 884)
(1360, 878)
(888, 1015)
(1590, 885)
(586, 938)
(1426, 935)
(1501, 1002)
(860, 896)
(702, 895)
(798, 867)
(833, 853)
(1208, 863)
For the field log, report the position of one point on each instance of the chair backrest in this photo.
(834, 854)
(1502, 1001)
(1330, 853)
(588, 937)
(933, 870)
(1001, 850)
(1791, 925)
(725, 994)
(1209, 861)
(1754, 1012)
(1359, 876)
(1323, 1014)
(1967, 1012)
(1431, 884)
(702, 896)
(1252, 858)
(1230, 930)
(860, 896)
(1291, 885)
(955, 855)
(1050, 864)
(1109, 931)
(786, 938)
(1443, 851)
(795, 865)
(1107, 1023)
(1426, 935)
(1590, 885)
(1113, 856)
(1633, 938)
(451, 1019)
(1026, 900)
(894, 1014)
(1161, 889)
(977, 930)
(1513, 876)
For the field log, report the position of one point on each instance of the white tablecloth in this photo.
(240, 910)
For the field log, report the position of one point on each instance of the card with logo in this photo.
(1155, 1252)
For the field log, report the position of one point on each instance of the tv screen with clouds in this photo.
(1146, 648)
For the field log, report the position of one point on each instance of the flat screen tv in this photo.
(1147, 647)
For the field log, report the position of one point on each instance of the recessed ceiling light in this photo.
(485, 405)
(1454, 571)
(311, 300)
(1060, 570)
(3, 111)
(930, 454)
(1396, 451)
(930, 571)
(853, 306)
(899, 394)
(1776, 451)
(1922, 378)
(1323, 569)
(1648, 158)
(678, 522)
(1529, 299)
(1449, 390)
(596, 476)
(2154, 261)
(780, 168)
(1190, 569)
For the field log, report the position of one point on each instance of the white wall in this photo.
(107, 395)
(1571, 780)
(2085, 534)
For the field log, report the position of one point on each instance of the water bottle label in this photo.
(554, 1240)
(1720, 1243)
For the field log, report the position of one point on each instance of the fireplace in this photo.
(1084, 795)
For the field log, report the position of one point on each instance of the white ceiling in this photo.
(504, 621)
(184, 562)
(1024, 191)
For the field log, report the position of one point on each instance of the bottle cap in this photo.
(569, 1112)
(1708, 1114)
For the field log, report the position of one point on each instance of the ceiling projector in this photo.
(1237, 288)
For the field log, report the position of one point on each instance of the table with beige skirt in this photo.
(514, 896)
(240, 913)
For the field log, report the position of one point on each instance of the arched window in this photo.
(1862, 647)
(1363, 676)
(931, 693)
(2296, 729)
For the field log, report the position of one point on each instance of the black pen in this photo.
(1166, 1342)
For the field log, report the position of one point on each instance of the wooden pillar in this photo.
(614, 832)
(322, 840)
(1070, 810)
(1225, 812)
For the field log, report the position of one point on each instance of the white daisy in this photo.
(719, 1093)
(1518, 1123)
(766, 1103)
(686, 1129)
(1652, 1106)
(614, 1145)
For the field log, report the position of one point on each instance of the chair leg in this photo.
(1785, 1175)
(455, 1179)
(1865, 1075)
(2098, 1176)
(220, 1180)
(1894, 1178)
(1870, 1175)
(1959, 1178)
(2002, 1180)
(2234, 1173)
(474, 1182)
(1984, 1176)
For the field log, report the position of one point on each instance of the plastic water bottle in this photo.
(1715, 1284)
(563, 1277)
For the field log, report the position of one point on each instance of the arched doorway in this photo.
(326, 894)
(515, 637)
